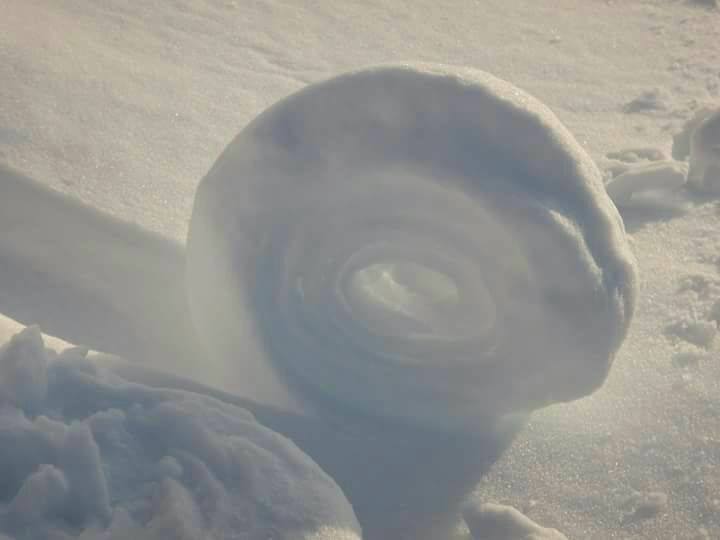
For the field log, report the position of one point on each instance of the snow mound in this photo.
(85, 454)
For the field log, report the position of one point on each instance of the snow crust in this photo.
(84, 454)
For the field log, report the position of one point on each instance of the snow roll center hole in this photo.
(415, 300)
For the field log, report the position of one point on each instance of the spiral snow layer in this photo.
(421, 242)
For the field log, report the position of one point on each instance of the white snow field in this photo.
(110, 114)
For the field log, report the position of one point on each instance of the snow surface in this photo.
(126, 107)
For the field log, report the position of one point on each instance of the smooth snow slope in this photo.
(93, 280)
(127, 107)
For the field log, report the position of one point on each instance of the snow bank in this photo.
(85, 454)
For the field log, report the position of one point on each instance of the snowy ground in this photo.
(125, 108)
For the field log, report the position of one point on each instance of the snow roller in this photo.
(404, 262)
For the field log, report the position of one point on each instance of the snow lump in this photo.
(85, 454)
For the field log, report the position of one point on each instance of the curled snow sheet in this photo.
(421, 242)
(85, 454)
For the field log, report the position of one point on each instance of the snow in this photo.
(657, 176)
(350, 171)
(23, 374)
(704, 157)
(500, 522)
(87, 454)
(126, 108)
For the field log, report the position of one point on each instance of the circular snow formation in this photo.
(418, 242)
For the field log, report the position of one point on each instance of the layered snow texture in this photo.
(84, 454)
(705, 154)
(366, 146)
